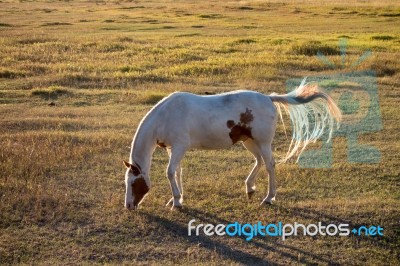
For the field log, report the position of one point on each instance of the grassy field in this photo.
(77, 77)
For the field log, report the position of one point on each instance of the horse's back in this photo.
(223, 101)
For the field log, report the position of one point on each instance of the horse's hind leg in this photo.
(269, 161)
(175, 157)
(251, 178)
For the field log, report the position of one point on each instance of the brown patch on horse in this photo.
(230, 123)
(246, 117)
(241, 131)
(134, 168)
(139, 190)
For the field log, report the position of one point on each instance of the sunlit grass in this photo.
(76, 78)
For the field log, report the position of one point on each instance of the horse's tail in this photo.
(311, 111)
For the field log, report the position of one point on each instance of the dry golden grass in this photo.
(104, 64)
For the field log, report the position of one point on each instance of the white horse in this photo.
(184, 121)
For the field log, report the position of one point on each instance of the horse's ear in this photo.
(127, 165)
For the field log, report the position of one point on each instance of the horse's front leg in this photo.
(178, 178)
(176, 155)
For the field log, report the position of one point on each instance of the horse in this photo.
(183, 121)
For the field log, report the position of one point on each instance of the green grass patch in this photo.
(132, 7)
(312, 48)
(5, 25)
(246, 8)
(244, 41)
(35, 40)
(395, 14)
(10, 74)
(188, 34)
(210, 16)
(344, 36)
(53, 92)
(148, 97)
(47, 24)
(383, 37)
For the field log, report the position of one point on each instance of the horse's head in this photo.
(136, 186)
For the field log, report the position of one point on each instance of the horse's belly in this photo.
(211, 142)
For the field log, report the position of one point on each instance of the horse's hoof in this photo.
(266, 202)
(250, 194)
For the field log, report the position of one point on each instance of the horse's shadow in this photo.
(210, 243)
(234, 253)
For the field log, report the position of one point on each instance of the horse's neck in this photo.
(143, 146)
